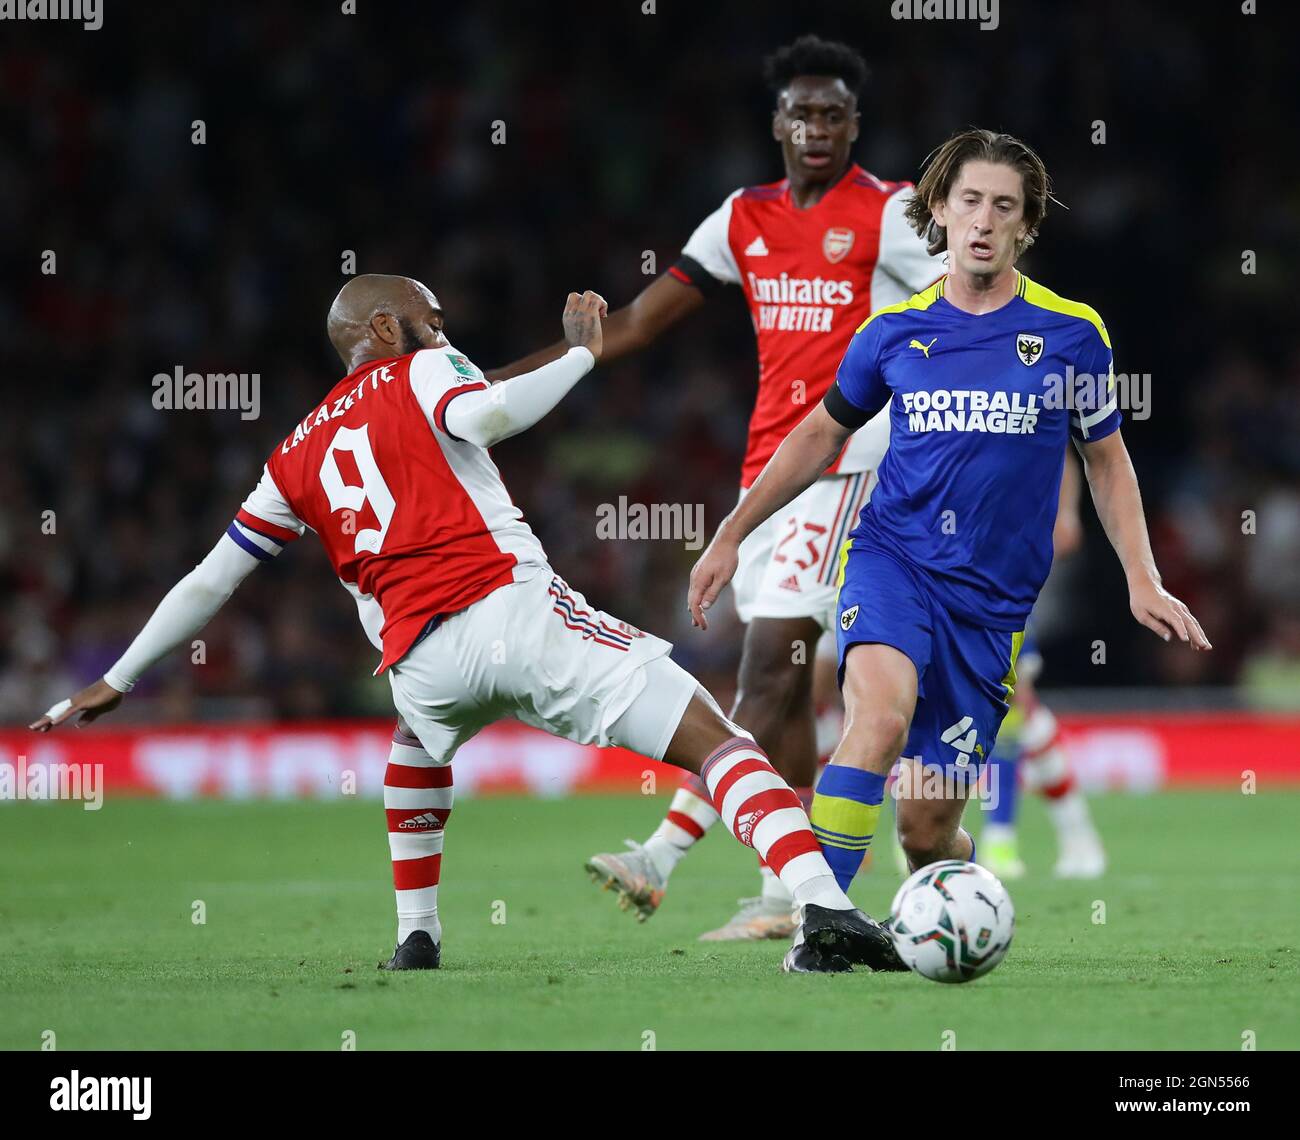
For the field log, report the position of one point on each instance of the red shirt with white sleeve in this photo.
(416, 522)
(810, 278)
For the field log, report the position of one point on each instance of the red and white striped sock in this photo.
(763, 812)
(1048, 771)
(1046, 766)
(418, 795)
(770, 887)
(690, 815)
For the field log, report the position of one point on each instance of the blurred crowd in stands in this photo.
(374, 133)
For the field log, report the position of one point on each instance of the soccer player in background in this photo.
(814, 255)
(1029, 748)
(991, 375)
(391, 470)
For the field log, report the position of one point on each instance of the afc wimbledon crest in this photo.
(1029, 347)
(848, 617)
(837, 243)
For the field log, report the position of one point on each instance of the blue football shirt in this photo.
(983, 409)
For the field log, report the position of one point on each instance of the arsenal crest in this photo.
(837, 243)
(1029, 348)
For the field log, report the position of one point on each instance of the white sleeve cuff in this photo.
(116, 681)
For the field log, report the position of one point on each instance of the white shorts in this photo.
(538, 652)
(789, 565)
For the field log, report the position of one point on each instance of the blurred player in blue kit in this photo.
(1029, 751)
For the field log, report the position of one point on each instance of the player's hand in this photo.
(92, 702)
(582, 317)
(1158, 610)
(716, 567)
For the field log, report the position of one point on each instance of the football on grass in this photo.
(952, 921)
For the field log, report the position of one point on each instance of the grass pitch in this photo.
(98, 942)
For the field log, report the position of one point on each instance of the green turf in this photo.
(97, 942)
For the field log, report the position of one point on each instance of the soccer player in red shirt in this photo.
(815, 254)
(391, 471)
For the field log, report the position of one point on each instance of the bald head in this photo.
(376, 316)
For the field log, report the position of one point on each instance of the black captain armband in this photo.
(841, 411)
(690, 272)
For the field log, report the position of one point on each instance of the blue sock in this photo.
(1002, 775)
(845, 810)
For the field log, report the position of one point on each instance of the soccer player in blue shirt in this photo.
(991, 375)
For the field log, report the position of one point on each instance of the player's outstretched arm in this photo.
(186, 609)
(798, 463)
(1114, 486)
(658, 307)
(488, 416)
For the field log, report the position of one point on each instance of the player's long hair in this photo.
(973, 144)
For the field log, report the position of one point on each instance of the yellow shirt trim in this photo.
(921, 300)
(1044, 298)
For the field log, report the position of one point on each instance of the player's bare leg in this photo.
(639, 876)
(774, 698)
(929, 825)
(762, 811)
(880, 691)
(774, 704)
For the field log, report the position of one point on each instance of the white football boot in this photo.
(757, 919)
(1080, 852)
(1081, 856)
(633, 875)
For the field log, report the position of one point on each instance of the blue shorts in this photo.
(966, 673)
